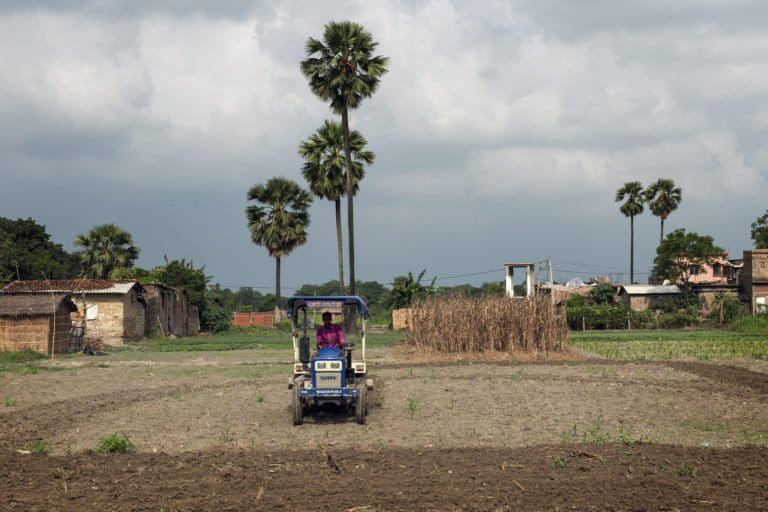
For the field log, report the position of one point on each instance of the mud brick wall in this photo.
(261, 318)
(35, 333)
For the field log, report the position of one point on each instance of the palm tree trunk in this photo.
(661, 235)
(631, 249)
(339, 245)
(276, 317)
(350, 206)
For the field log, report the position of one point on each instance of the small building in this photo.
(114, 310)
(35, 322)
(169, 311)
(754, 279)
(641, 297)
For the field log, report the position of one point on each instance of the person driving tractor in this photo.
(330, 334)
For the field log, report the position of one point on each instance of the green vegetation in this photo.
(39, 446)
(26, 252)
(681, 255)
(278, 220)
(10, 402)
(241, 338)
(597, 433)
(406, 290)
(413, 406)
(633, 196)
(663, 198)
(342, 70)
(759, 231)
(105, 248)
(114, 443)
(757, 324)
(675, 344)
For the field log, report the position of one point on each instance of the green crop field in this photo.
(243, 338)
(672, 344)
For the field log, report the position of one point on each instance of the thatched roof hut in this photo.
(35, 322)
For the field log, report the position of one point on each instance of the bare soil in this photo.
(214, 432)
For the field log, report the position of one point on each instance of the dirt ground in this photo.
(214, 432)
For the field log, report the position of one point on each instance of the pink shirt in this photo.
(331, 336)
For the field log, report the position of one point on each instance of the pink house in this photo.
(722, 270)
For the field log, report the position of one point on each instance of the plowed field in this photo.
(214, 432)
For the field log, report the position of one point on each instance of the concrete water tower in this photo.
(509, 272)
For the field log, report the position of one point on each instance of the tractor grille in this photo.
(328, 379)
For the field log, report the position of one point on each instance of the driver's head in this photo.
(327, 317)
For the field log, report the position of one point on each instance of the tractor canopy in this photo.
(314, 302)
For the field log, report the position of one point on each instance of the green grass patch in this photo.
(39, 446)
(701, 344)
(23, 356)
(115, 443)
(244, 339)
(757, 324)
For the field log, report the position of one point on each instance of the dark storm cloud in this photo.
(135, 8)
(569, 19)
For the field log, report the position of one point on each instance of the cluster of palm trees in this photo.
(341, 70)
(662, 196)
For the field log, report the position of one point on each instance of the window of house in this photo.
(717, 270)
(760, 305)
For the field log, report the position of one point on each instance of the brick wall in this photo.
(261, 318)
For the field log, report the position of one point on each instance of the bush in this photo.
(757, 324)
(114, 443)
(618, 316)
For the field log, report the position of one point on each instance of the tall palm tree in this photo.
(324, 170)
(342, 70)
(279, 221)
(663, 198)
(105, 248)
(633, 191)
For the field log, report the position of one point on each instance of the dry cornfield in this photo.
(459, 323)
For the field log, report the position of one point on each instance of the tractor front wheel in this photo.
(361, 407)
(297, 408)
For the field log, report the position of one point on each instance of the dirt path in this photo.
(577, 477)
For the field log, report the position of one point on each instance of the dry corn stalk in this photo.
(457, 323)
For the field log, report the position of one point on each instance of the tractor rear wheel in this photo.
(297, 408)
(361, 407)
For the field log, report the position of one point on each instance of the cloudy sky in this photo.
(502, 130)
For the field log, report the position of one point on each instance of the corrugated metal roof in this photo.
(91, 286)
(651, 289)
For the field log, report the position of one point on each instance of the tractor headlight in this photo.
(320, 365)
(336, 365)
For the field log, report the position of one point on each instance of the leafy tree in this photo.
(682, 255)
(324, 170)
(760, 232)
(279, 221)
(26, 252)
(341, 69)
(663, 198)
(633, 205)
(183, 274)
(136, 273)
(494, 288)
(105, 248)
(601, 294)
(406, 290)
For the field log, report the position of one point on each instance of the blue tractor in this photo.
(331, 379)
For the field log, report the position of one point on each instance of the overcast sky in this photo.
(502, 130)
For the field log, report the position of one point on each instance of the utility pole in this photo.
(551, 280)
